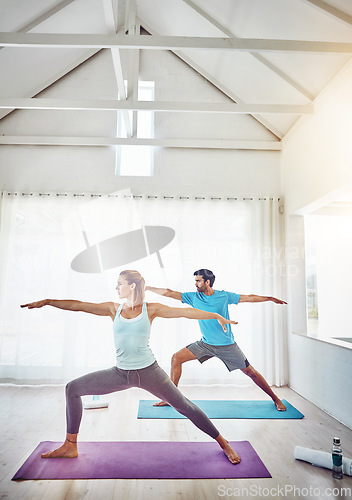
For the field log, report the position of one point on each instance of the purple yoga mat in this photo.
(144, 460)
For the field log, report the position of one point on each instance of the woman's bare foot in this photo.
(229, 452)
(67, 450)
(161, 403)
(279, 405)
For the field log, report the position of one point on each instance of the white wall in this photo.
(316, 156)
(177, 171)
(316, 168)
(321, 372)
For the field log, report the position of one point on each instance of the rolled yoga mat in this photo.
(321, 459)
(222, 409)
(144, 460)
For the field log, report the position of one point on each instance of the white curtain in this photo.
(45, 243)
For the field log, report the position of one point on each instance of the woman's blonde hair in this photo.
(139, 290)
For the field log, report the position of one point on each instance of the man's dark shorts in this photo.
(231, 355)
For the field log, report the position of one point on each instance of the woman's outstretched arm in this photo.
(102, 309)
(156, 310)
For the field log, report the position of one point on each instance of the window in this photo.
(328, 244)
(137, 160)
(311, 275)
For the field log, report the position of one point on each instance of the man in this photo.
(215, 343)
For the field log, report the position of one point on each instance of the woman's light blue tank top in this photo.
(132, 341)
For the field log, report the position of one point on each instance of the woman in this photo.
(136, 365)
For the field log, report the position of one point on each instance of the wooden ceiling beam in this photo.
(156, 106)
(59, 40)
(133, 141)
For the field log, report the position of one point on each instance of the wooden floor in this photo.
(29, 415)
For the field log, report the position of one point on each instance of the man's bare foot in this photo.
(67, 450)
(229, 452)
(279, 405)
(161, 403)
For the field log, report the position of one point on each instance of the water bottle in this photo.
(337, 458)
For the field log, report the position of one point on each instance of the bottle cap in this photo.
(336, 440)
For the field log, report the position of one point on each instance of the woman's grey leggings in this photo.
(152, 379)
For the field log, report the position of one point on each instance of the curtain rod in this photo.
(143, 196)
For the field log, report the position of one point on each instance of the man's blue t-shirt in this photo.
(212, 332)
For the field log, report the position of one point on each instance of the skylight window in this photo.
(137, 160)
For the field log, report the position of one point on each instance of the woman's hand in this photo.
(102, 309)
(160, 310)
(35, 305)
(223, 322)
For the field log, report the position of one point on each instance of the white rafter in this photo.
(333, 11)
(109, 16)
(133, 70)
(121, 16)
(101, 41)
(133, 141)
(116, 59)
(259, 57)
(160, 106)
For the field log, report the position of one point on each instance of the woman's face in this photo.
(123, 288)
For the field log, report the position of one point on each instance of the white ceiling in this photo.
(275, 82)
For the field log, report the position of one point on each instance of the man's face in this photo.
(200, 283)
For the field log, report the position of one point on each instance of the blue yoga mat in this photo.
(223, 409)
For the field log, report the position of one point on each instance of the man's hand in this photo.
(277, 301)
(260, 298)
(166, 292)
(35, 305)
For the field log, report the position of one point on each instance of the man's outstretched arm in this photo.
(166, 292)
(260, 298)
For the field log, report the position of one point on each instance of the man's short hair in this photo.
(206, 275)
